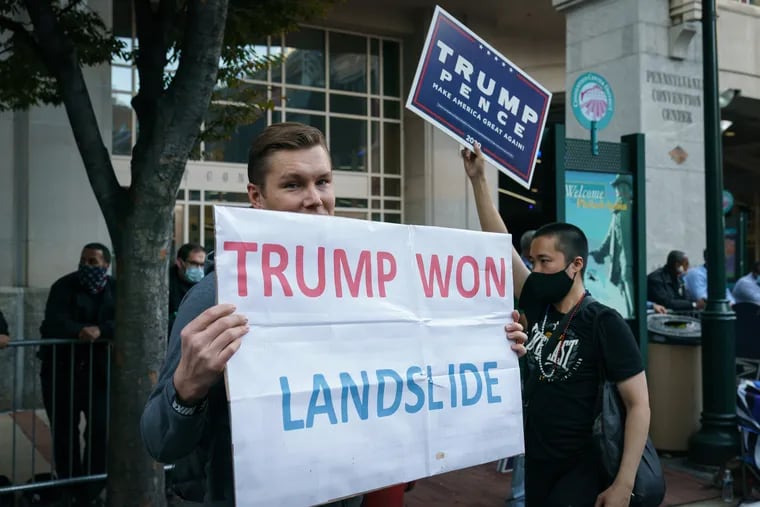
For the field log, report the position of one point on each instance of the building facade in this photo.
(349, 74)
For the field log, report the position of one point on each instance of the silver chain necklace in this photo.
(540, 347)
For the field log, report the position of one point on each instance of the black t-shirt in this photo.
(562, 398)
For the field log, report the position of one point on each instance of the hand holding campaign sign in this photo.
(376, 354)
(470, 91)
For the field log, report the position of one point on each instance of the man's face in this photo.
(194, 260)
(683, 265)
(548, 260)
(92, 257)
(298, 180)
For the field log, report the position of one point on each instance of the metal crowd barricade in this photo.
(35, 426)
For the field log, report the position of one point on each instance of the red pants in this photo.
(388, 497)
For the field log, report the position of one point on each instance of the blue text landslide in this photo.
(467, 385)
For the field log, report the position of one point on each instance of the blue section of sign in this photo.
(602, 205)
(592, 100)
(474, 94)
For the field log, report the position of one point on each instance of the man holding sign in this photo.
(564, 363)
(289, 170)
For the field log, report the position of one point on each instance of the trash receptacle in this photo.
(674, 377)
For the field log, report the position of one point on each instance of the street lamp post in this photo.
(717, 440)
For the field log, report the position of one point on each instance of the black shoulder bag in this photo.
(609, 435)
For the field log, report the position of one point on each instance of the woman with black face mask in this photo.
(563, 360)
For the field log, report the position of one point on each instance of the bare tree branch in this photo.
(72, 4)
(61, 59)
(154, 22)
(187, 98)
(20, 30)
(196, 75)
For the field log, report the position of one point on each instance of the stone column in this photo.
(649, 52)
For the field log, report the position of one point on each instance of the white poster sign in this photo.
(376, 355)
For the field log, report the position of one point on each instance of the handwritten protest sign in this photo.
(473, 93)
(376, 353)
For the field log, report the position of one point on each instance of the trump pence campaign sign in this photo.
(473, 93)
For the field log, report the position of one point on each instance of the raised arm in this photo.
(488, 214)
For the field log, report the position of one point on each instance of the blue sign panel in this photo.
(602, 205)
(473, 93)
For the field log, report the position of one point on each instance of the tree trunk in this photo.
(134, 478)
(140, 219)
(170, 124)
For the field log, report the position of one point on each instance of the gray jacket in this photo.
(170, 436)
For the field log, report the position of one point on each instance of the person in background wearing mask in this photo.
(74, 378)
(563, 357)
(747, 288)
(188, 270)
(665, 285)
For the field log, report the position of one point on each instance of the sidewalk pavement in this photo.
(484, 486)
(20, 459)
(480, 486)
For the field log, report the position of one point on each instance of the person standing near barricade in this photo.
(74, 377)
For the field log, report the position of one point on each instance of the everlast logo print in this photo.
(562, 360)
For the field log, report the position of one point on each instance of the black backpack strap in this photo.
(601, 337)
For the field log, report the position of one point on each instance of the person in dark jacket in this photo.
(74, 377)
(188, 270)
(186, 417)
(4, 338)
(665, 285)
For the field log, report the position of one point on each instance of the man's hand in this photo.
(89, 333)
(4, 340)
(516, 335)
(474, 162)
(659, 309)
(208, 342)
(617, 495)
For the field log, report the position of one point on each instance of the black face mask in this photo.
(546, 288)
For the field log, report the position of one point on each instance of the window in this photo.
(347, 85)
(123, 83)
